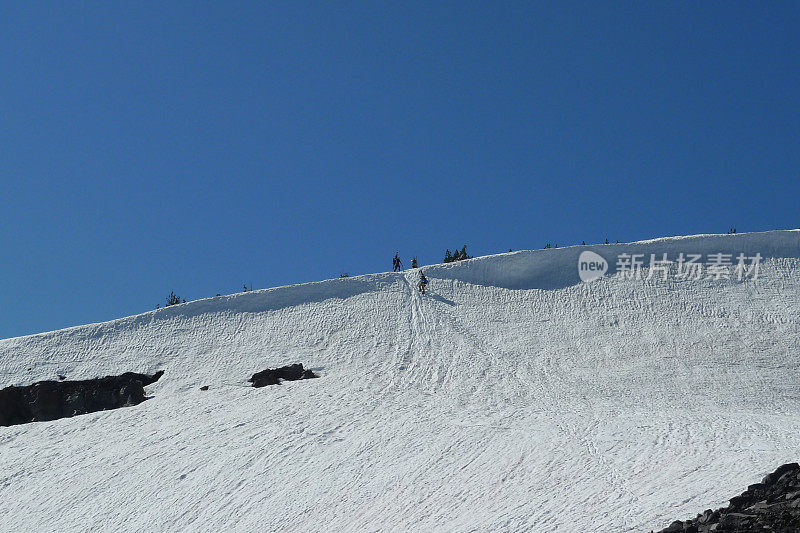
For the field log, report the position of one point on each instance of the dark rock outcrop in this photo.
(772, 505)
(51, 400)
(272, 376)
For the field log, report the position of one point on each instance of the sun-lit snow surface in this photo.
(512, 397)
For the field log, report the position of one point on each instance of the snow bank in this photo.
(511, 398)
(556, 268)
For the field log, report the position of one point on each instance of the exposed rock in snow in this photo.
(772, 505)
(272, 376)
(51, 400)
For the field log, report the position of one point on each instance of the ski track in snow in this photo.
(511, 397)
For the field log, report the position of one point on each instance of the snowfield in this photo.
(512, 397)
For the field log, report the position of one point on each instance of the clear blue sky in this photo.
(199, 146)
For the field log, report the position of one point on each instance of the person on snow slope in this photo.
(422, 283)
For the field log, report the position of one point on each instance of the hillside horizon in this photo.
(601, 246)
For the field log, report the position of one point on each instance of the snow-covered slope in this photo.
(511, 397)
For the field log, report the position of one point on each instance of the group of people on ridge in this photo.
(397, 266)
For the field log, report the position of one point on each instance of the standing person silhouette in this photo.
(397, 264)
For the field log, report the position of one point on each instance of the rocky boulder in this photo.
(772, 505)
(51, 400)
(273, 376)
